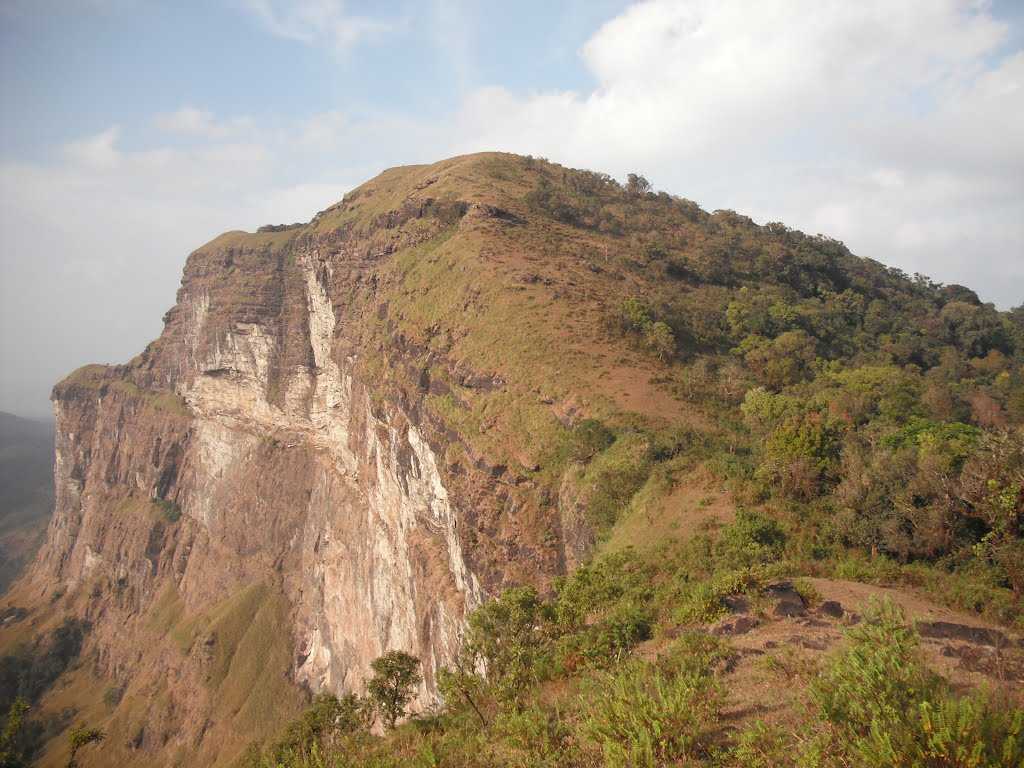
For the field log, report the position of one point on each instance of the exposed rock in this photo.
(945, 630)
(787, 600)
(736, 603)
(988, 661)
(831, 608)
(736, 626)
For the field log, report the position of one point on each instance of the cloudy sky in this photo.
(133, 131)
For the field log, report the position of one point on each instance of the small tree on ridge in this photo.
(395, 677)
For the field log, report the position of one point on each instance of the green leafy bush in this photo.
(888, 710)
(643, 716)
(751, 539)
(509, 637)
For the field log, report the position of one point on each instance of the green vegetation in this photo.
(169, 510)
(884, 708)
(873, 704)
(395, 678)
(26, 674)
(29, 670)
(654, 335)
(82, 736)
(14, 753)
(106, 379)
(643, 716)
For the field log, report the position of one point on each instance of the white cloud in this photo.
(190, 121)
(315, 21)
(97, 151)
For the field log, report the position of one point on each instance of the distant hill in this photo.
(26, 490)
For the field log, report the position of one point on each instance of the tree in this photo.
(11, 754)
(505, 636)
(637, 184)
(395, 677)
(993, 487)
(79, 737)
(660, 340)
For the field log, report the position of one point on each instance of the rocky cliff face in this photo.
(263, 485)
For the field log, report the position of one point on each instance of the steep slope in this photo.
(26, 490)
(352, 432)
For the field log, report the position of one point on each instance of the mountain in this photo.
(478, 376)
(26, 490)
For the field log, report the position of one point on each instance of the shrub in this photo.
(760, 745)
(80, 737)
(660, 340)
(703, 601)
(598, 587)
(751, 539)
(112, 696)
(507, 637)
(589, 438)
(12, 749)
(888, 710)
(642, 716)
(637, 317)
(170, 510)
(326, 720)
(607, 641)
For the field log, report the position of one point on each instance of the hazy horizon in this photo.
(136, 131)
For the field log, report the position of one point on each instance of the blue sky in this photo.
(70, 69)
(136, 130)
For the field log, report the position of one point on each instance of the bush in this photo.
(112, 696)
(609, 640)
(642, 716)
(660, 340)
(751, 539)
(507, 637)
(170, 510)
(703, 601)
(12, 747)
(637, 317)
(761, 746)
(888, 710)
(589, 438)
